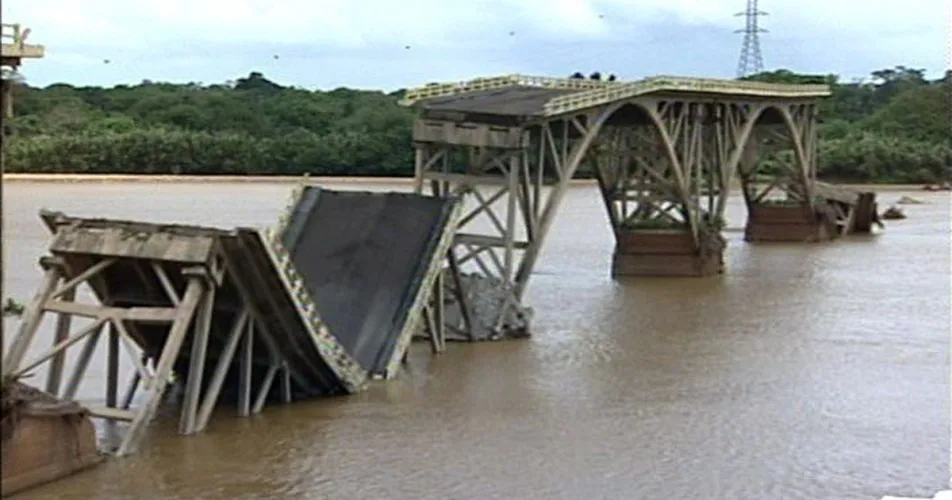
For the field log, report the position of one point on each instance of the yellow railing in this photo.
(601, 96)
(435, 90)
(13, 37)
(13, 34)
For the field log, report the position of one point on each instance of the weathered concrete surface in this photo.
(665, 253)
(787, 223)
(44, 439)
(364, 257)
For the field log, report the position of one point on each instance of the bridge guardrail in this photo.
(600, 96)
(436, 90)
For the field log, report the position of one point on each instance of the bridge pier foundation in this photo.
(778, 222)
(664, 253)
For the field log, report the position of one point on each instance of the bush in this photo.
(165, 151)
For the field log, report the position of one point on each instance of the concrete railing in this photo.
(606, 95)
(14, 34)
(436, 90)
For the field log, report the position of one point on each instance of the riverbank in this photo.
(263, 179)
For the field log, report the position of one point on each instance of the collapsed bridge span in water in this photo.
(234, 314)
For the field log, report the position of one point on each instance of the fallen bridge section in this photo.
(854, 211)
(225, 311)
(835, 211)
(371, 261)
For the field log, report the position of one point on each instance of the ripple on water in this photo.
(806, 371)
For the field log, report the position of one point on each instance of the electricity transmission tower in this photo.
(751, 60)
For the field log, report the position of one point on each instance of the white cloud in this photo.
(152, 39)
(353, 23)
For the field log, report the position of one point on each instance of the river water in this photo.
(807, 371)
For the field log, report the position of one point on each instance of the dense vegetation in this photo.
(894, 128)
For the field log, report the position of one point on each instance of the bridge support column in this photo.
(664, 253)
(6, 96)
(512, 179)
(658, 171)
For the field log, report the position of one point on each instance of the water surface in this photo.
(807, 371)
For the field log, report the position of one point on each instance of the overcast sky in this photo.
(390, 44)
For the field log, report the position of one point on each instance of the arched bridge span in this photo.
(664, 151)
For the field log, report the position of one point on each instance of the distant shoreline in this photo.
(220, 179)
(284, 179)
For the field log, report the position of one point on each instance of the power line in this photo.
(751, 60)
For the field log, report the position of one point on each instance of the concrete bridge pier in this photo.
(512, 174)
(665, 166)
(659, 167)
(659, 252)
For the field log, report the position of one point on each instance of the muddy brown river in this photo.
(811, 371)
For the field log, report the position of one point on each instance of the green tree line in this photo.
(894, 127)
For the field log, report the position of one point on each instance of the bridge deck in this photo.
(508, 101)
(858, 208)
(370, 260)
(518, 95)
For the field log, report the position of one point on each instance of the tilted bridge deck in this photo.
(370, 259)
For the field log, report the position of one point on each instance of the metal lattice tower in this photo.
(751, 60)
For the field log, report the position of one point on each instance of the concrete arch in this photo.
(595, 120)
(753, 120)
(655, 119)
(793, 132)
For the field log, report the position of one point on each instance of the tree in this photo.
(893, 127)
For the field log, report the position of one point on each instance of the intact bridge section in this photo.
(664, 151)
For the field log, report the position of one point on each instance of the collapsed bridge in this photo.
(329, 299)
(333, 295)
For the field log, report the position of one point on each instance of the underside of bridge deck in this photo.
(663, 150)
